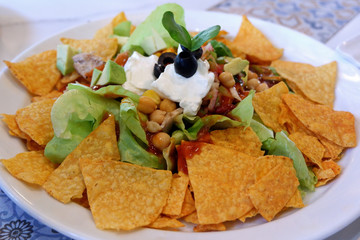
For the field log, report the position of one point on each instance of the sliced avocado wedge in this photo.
(113, 73)
(64, 61)
(153, 43)
(236, 65)
(123, 29)
(95, 77)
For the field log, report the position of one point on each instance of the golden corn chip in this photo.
(124, 196)
(295, 201)
(66, 182)
(192, 218)
(238, 138)
(31, 145)
(83, 201)
(69, 78)
(314, 83)
(188, 206)
(266, 163)
(220, 178)
(271, 193)
(104, 48)
(332, 150)
(51, 95)
(37, 73)
(179, 185)
(14, 129)
(267, 105)
(254, 43)
(253, 212)
(165, 222)
(209, 227)
(329, 171)
(336, 126)
(35, 121)
(31, 167)
(309, 146)
(106, 31)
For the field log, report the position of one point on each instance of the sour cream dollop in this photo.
(139, 72)
(188, 92)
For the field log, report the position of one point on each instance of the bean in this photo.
(146, 105)
(161, 140)
(157, 116)
(167, 105)
(261, 87)
(153, 95)
(153, 127)
(253, 83)
(251, 75)
(227, 79)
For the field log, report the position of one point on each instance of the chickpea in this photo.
(157, 116)
(161, 140)
(261, 87)
(146, 105)
(167, 105)
(253, 83)
(153, 127)
(153, 95)
(251, 75)
(227, 79)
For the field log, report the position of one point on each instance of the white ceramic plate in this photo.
(328, 210)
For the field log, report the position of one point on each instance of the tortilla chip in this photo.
(31, 167)
(31, 145)
(69, 78)
(253, 42)
(220, 178)
(51, 95)
(179, 185)
(124, 196)
(106, 31)
(336, 126)
(35, 121)
(14, 129)
(104, 48)
(188, 206)
(266, 163)
(192, 218)
(267, 105)
(66, 182)
(37, 73)
(332, 150)
(314, 83)
(209, 227)
(309, 146)
(238, 138)
(252, 213)
(329, 171)
(295, 201)
(271, 193)
(164, 222)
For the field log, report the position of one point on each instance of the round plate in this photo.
(329, 208)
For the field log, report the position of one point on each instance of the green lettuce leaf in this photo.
(74, 116)
(111, 91)
(244, 110)
(283, 146)
(189, 125)
(131, 144)
(261, 130)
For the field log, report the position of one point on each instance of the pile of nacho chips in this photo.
(227, 179)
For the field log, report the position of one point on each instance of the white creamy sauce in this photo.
(188, 92)
(139, 72)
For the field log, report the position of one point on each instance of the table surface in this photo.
(24, 23)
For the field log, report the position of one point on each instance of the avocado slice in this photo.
(64, 61)
(236, 65)
(153, 43)
(123, 29)
(113, 73)
(95, 77)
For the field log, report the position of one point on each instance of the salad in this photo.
(153, 126)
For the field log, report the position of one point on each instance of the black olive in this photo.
(166, 58)
(185, 64)
(198, 53)
(158, 69)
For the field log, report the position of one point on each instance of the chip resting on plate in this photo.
(336, 126)
(31, 167)
(38, 73)
(220, 178)
(104, 48)
(108, 30)
(66, 182)
(14, 129)
(314, 83)
(179, 185)
(35, 121)
(124, 196)
(164, 222)
(267, 105)
(255, 44)
(241, 139)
